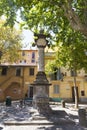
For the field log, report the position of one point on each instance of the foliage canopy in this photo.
(65, 20)
(54, 15)
(10, 43)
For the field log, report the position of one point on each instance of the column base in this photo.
(41, 94)
(42, 105)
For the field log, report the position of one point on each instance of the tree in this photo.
(52, 15)
(72, 56)
(10, 43)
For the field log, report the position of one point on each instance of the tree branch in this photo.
(73, 18)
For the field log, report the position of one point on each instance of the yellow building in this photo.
(16, 79)
(63, 83)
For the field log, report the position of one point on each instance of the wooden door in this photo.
(31, 92)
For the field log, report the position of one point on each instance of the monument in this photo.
(41, 84)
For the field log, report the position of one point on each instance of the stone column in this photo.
(41, 59)
(41, 84)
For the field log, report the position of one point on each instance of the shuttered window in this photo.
(56, 89)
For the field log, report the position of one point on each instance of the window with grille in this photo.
(18, 71)
(31, 71)
(4, 71)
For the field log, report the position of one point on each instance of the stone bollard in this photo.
(21, 103)
(8, 101)
(63, 103)
(82, 117)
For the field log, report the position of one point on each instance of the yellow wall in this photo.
(16, 86)
(28, 57)
(65, 86)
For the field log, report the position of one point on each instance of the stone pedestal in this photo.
(42, 104)
(41, 94)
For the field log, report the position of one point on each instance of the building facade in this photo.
(16, 79)
(63, 83)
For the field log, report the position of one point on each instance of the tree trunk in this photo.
(75, 91)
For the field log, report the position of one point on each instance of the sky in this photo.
(28, 35)
(28, 38)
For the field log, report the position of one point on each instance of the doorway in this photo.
(31, 92)
(73, 94)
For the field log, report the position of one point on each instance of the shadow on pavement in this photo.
(1, 128)
(63, 127)
(61, 117)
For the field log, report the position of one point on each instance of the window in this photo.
(73, 73)
(18, 71)
(56, 89)
(31, 71)
(22, 61)
(33, 61)
(4, 71)
(33, 57)
(23, 53)
(82, 93)
(57, 75)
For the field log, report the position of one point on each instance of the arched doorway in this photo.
(14, 91)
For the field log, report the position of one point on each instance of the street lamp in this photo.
(41, 84)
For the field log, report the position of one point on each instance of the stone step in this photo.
(40, 122)
(38, 117)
